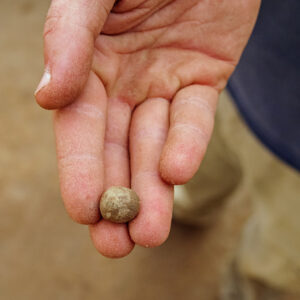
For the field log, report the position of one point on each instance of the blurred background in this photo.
(43, 254)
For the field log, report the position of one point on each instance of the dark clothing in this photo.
(266, 84)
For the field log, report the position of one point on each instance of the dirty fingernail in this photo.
(44, 81)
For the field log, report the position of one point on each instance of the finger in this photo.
(79, 130)
(69, 35)
(117, 170)
(147, 136)
(112, 240)
(191, 124)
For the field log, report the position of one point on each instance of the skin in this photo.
(146, 88)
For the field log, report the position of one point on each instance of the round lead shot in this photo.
(119, 204)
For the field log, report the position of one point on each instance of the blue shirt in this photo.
(266, 84)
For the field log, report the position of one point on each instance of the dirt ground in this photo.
(43, 254)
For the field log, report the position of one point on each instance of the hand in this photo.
(135, 104)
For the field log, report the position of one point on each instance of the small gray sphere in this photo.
(119, 204)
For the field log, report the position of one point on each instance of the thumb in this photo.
(70, 31)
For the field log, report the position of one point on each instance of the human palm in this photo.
(144, 116)
(184, 43)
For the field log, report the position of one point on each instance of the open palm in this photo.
(139, 104)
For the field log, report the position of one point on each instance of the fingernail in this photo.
(44, 81)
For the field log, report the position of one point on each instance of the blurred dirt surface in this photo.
(43, 254)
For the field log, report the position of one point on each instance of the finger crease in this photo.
(78, 157)
(203, 135)
(86, 109)
(199, 103)
(159, 135)
(116, 145)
